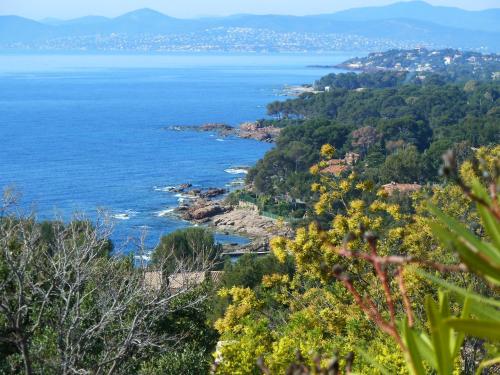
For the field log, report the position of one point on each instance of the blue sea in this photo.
(83, 133)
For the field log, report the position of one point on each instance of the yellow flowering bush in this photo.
(314, 311)
(237, 355)
(327, 151)
(244, 302)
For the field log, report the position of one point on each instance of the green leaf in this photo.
(479, 308)
(487, 363)
(440, 335)
(471, 257)
(444, 304)
(459, 339)
(474, 243)
(490, 223)
(478, 263)
(480, 190)
(444, 309)
(484, 329)
(415, 365)
(426, 349)
(443, 234)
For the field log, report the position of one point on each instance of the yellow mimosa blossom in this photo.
(327, 151)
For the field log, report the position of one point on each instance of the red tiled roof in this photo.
(337, 166)
(336, 162)
(335, 169)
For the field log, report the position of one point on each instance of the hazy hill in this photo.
(409, 24)
(150, 21)
(486, 20)
(19, 29)
(142, 21)
(87, 20)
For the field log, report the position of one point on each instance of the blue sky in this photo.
(38, 9)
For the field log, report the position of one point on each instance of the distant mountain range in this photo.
(406, 24)
(485, 20)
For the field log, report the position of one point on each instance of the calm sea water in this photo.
(79, 133)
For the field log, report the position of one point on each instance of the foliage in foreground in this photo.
(67, 307)
(188, 246)
(413, 298)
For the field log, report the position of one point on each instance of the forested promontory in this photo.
(398, 131)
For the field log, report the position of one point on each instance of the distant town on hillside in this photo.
(401, 25)
(447, 61)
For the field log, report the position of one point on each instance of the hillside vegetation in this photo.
(398, 130)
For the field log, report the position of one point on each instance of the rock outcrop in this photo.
(212, 193)
(198, 193)
(227, 219)
(249, 223)
(179, 189)
(248, 130)
(221, 129)
(259, 132)
(201, 210)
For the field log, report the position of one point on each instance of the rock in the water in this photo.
(180, 189)
(212, 193)
(251, 130)
(216, 127)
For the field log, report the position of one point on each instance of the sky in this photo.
(39, 9)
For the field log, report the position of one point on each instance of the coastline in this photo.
(209, 208)
(127, 161)
(298, 90)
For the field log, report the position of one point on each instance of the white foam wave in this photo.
(166, 212)
(124, 215)
(237, 182)
(220, 140)
(236, 171)
(164, 189)
(146, 258)
(184, 196)
(121, 216)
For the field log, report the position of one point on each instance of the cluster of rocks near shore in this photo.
(248, 130)
(198, 193)
(200, 205)
(204, 206)
(203, 209)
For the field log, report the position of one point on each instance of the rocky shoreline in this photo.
(206, 208)
(299, 90)
(197, 193)
(248, 130)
